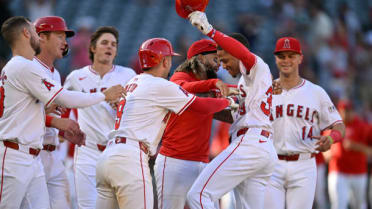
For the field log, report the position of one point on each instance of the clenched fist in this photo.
(114, 93)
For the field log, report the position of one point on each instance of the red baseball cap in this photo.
(288, 44)
(201, 46)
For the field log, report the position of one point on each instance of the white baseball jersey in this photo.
(148, 102)
(300, 113)
(255, 98)
(97, 120)
(24, 92)
(51, 134)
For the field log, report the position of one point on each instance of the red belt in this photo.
(49, 147)
(244, 130)
(101, 147)
(123, 140)
(15, 146)
(294, 157)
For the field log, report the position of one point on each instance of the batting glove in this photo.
(200, 21)
(234, 105)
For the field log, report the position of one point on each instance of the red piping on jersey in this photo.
(46, 66)
(143, 178)
(93, 71)
(162, 184)
(299, 86)
(2, 173)
(53, 97)
(205, 185)
(186, 105)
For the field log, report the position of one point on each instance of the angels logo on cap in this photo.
(288, 44)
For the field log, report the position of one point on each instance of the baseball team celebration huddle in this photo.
(142, 140)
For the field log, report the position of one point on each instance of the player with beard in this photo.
(185, 144)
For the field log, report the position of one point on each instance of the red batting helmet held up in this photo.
(201, 46)
(153, 50)
(52, 23)
(288, 44)
(185, 7)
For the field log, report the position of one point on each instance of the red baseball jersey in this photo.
(187, 135)
(347, 161)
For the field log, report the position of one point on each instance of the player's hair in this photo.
(239, 37)
(97, 34)
(195, 66)
(12, 27)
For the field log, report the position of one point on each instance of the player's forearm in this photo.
(235, 48)
(355, 146)
(208, 106)
(75, 99)
(224, 116)
(338, 132)
(197, 86)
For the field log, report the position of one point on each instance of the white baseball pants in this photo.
(85, 161)
(123, 178)
(345, 188)
(174, 178)
(292, 185)
(22, 180)
(247, 163)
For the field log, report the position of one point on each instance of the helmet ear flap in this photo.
(149, 58)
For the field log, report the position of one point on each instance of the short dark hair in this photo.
(12, 27)
(97, 34)
(239, 37)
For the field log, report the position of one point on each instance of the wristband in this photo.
(48, 121)
(330, 139)
(212, 33)
(336, 136)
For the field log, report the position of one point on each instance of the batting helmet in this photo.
(153, 50)
(52, 23)
(185, 7)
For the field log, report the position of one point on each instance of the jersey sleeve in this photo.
(69, 82)
(39, 84)
(185, 81)
(173, 97)
(236, 49)
(328, 112)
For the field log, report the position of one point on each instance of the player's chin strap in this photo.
(65, 52)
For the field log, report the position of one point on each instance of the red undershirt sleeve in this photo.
(183, 79)
(207, 106)
(234, 47)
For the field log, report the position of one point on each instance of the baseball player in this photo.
(97, 120)
(185, 144)
(53, 31)
(347, 170)
(123, 174)
(247, 163)
(25, 90)
(304, 109)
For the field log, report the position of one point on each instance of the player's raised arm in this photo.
(230, 45)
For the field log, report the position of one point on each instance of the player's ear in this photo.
(301, 59)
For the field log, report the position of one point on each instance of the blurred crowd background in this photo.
(336, 37)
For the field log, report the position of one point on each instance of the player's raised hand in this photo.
(200, 21)
(233, 91)
(323, 144)
(66, 125)
(53, 108)
(113, 93)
